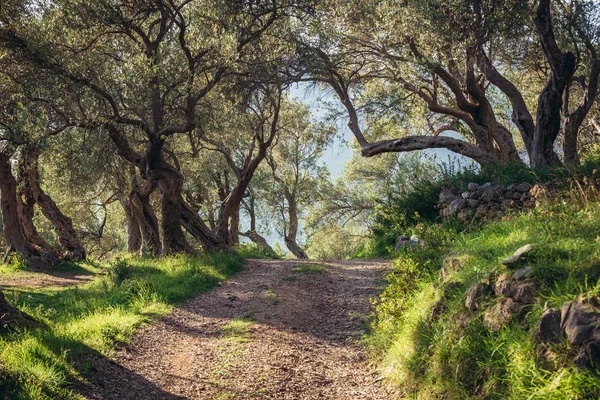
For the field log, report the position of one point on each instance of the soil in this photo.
(43, 280)
(277, 330)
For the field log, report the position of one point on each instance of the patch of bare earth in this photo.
(42, 280)
(274, 331)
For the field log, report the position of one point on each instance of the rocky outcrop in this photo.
(487, 200)
(579, 322)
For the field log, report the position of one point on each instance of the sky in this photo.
(339, 153)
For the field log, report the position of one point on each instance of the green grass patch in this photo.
(309, 269)
(251, 251)
(238, 330)
(95, 317)
(454, 355)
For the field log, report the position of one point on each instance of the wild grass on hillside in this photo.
(93, 318)
(454, 355)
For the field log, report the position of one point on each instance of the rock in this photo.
(517, 196)
(500, 314)
(579, 320)
(474, 196)
(483, 188)
(447, 196)
(522, 273)
(589, 354)
(472, 186)
(465, 195)
(524, 293)
(401, 242)
(491, 194)
(522, 187)
(503, 286)
(471, 203)
(518, 255)
(456, 206)
(404, 241)
(474, 294)
(547, 329)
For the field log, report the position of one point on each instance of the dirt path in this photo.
(277, 330)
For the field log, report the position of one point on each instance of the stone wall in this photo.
(488, 200)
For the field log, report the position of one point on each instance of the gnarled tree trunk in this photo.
(170, 183)
(36, 256)
(67, 237)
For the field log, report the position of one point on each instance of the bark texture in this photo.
(63, 225)
(37, 257)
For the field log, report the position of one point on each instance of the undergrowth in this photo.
(93, 318)
(453, 354)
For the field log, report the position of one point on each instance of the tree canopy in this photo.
(168, 126)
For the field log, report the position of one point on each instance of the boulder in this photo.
(524, 293)
(465, 195)
(456, 206)
(472, 203)
(404, 241)
(518, 255)
(472, 186)
(589, 354)
(401, 242)
(547, 329)
(481, 189)
(503, 286)
(500, 313)
(522, 187)
(491, 194)
(579, 320)
(474, 295)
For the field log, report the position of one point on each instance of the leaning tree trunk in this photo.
(67, 237)
(291, 237)
(25, 207)
(36, 256)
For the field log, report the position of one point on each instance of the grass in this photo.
(272, 296)
(95, 317)
(309, 269)
(455, 355)
(238, 330)
(253, 251)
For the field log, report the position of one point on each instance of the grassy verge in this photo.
(452, 354)
(95, 317)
